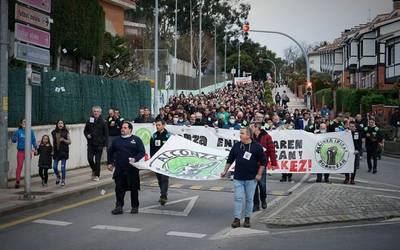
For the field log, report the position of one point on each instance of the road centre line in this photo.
(186, 234)
(117, 228)
(52, 222)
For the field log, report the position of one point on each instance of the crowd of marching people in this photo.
(239, 106)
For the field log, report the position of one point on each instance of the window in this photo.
(390, 55)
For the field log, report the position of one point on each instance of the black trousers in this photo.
(163, 182)
(94, 158)
(121, 186)
(43, 173)
(356, 165)
(372, 155)
(319, 177)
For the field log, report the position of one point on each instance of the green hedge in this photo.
(268, 97)
(350, 100)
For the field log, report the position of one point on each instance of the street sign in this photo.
(233, 71)
(36, 78)
(32, 35)
(32, 17)
(44, 5)
(31, 54)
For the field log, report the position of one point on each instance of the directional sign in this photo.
(32, 17)
(32, 35)
(31, 54)
(44, 5)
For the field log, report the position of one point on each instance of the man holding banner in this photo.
(250, 160)
(156, 142)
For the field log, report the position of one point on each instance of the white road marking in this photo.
(186, 234)
(367, 182)
(189, 207)
(53, 222)
(116, 228)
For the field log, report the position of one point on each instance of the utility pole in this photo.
(200, 43)
(176, 44)
(239, 59)
(191, 38)
(4, 164)
(156, 98)
(215, 56)
(225, 59)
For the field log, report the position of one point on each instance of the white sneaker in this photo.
(96, 178)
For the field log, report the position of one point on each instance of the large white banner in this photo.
(297, 151)
(184, 159)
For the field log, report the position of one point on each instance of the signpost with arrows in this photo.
(32, 34)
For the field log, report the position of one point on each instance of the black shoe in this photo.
(282, 180)
(264, 204)
(369, 170)
(163, 200)
(246, 222)
(326, 180)
(346, 181)
(117, 210)
(134, 210)
(235, 223)
(17, 185)
(43, 185)
(318, 180)
(256, 208)
(352, 182)
(375, 171)
(289, 179)
(58, 180)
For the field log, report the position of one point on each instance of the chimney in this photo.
(396, 4)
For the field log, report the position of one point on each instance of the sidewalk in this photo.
(294, 103)
(319, 203)
(78, 181)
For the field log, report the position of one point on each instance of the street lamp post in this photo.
(225, 59)
(239, 60)
(215, 56)
(176, 44)
(156, 98)
(200, 43)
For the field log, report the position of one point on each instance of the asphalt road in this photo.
(195, 218)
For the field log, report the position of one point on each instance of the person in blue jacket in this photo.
(232, 124)
(19, 138)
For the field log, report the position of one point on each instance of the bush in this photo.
(324, 96)
(369, 100)
(268, 97)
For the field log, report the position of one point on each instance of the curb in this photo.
(62, 196)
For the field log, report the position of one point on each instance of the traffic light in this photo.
(246, 28)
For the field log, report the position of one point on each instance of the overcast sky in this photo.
(309, 20)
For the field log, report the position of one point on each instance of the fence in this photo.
(70, 96)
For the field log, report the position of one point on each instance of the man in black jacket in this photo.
(158, 139)
(114, 123)
(357, 140)
(125, 150)
(96, 133)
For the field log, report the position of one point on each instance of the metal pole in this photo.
(191, 38)
(298, 44)
(215, 57)
(28, 134)
(4, 164)
(239, 60)
(200, 42)
(156, 98)
(176, 44)
(225, 60)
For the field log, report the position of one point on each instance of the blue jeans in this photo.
(55, 168)
(244, 190)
